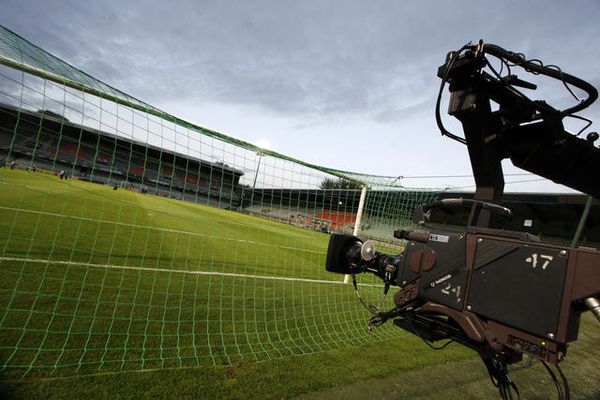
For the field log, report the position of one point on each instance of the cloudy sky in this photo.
(346, 84)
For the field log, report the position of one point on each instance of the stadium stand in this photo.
(73, 153)
(315, 219)
(55, 143)
(338, 219)
(191, 179)
(52, 142)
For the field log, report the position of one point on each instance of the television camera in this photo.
(501, 293)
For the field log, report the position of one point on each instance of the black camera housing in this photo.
(343, 253)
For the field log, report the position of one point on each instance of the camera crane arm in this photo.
(531, 133)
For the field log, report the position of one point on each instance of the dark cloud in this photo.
(309, 57)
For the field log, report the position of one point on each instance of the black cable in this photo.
(500, 79)
(438, 116)
(562, 78)
(503, 64)
(554, 380)
(382, 317)
(536, 67)
(491, 67)
(442, 347)
(506, 183)
(565, 383)
(540, 64)
(500, 378)
(371, 308)
(427, 342)
(589, 122)
(458, 176)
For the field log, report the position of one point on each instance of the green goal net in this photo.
(131, 239)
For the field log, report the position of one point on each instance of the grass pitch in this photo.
(97, 280)
(109, 293)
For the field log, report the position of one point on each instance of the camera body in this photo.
(498, 292)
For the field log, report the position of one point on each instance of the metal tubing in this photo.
(593, 305)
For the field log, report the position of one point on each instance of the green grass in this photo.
(109, 293)
(96, 280)
(401, 368)
(274, 379)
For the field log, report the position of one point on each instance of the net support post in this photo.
(359, 213)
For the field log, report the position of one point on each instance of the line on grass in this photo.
(154, 228)
(177, 271)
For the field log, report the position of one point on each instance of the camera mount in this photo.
(501, 293)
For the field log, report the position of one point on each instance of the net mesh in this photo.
(131, 239)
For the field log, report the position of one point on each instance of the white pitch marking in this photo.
(177, 271)
(157, 229)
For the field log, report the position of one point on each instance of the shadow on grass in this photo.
(401, 368)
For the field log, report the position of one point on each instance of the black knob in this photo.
(592, 137)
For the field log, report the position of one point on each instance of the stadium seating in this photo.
(192, 179)
(5, 140)
(166, 171)
(136, 171)
(73, 152)
(58, 144)
(338, 219)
